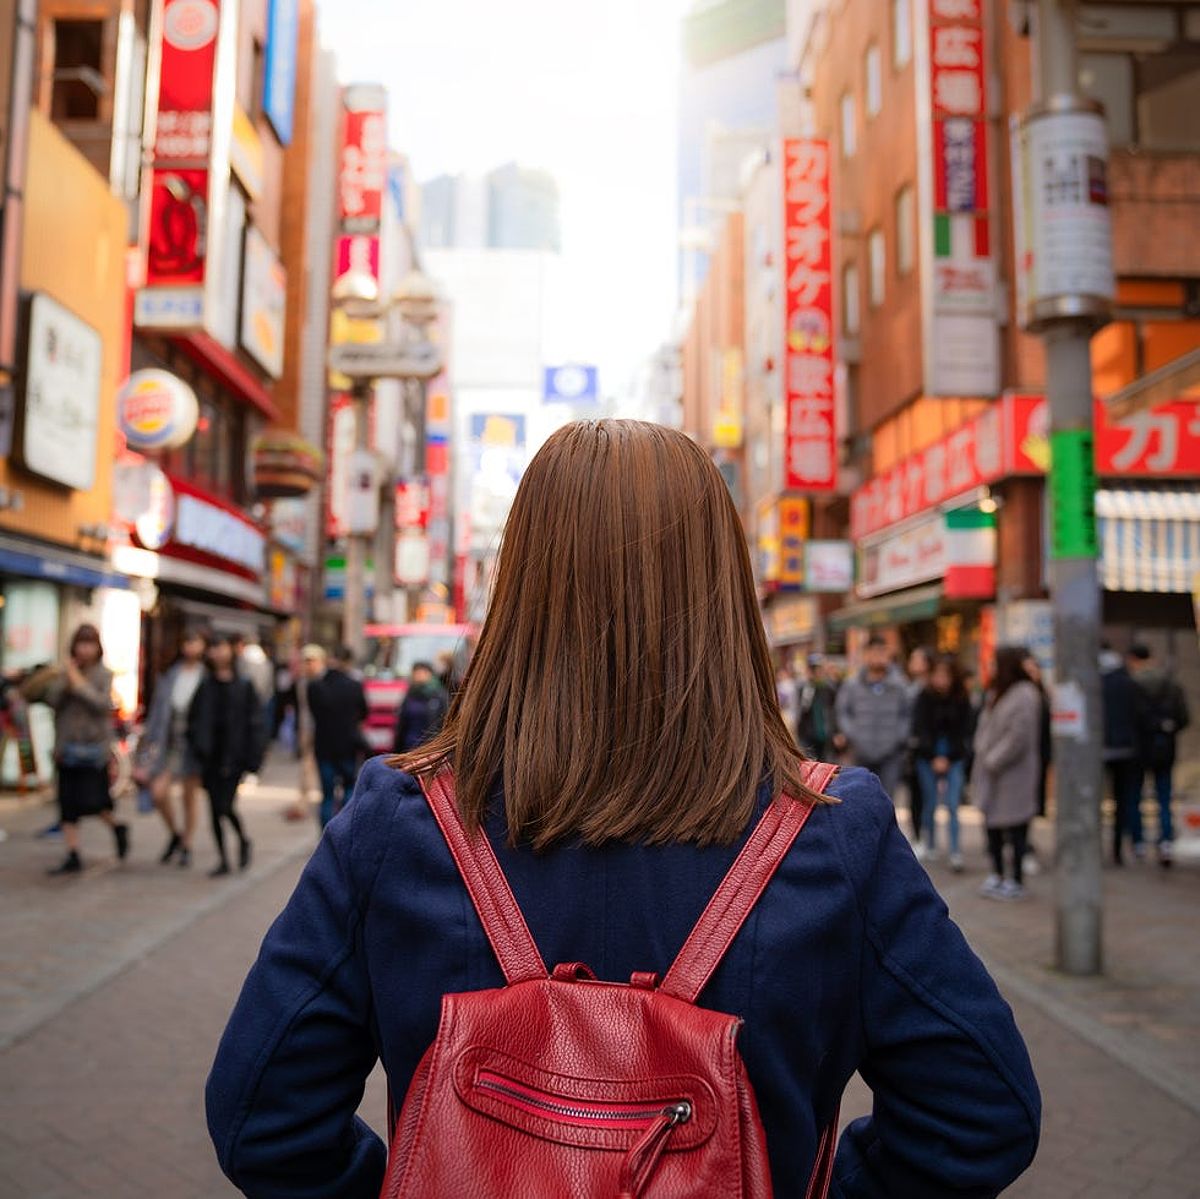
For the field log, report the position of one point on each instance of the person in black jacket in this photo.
(227, 736)
(423, 710)
(942, 721)
(1121, 702)
(338, 705)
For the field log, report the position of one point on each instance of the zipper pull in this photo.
(640, 1161)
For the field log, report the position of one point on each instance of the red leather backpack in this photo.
(559, 1085)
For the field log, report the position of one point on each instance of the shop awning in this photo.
(209, 354)
(1170, 381)
(917, 603)
(1149, 540)
(35, 560)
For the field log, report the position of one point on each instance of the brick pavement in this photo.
(103, 1096)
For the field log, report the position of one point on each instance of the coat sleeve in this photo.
(844, 710)
(922, 727)
(291, 1068)
(956, 1107)
(97, 696)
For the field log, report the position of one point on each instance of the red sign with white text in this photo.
(183, 143)
(956, 58)
(362, 169)
(810, 452)
(1011, 437)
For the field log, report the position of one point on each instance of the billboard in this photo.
(571, 384)
(279, 67)
(810, 451)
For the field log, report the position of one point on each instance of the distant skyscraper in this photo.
(734, 54)
(523, 207)
(511, 208)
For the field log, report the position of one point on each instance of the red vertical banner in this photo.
(183, 144)
(810, 455)
(362, 175)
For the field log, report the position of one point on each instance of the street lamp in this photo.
(410, 357)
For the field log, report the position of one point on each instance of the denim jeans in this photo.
(1162, 789)
(332, 772)
(946, 789)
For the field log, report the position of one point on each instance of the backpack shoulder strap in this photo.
(502, 920)
(740, 889)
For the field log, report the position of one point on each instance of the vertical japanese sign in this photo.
(963, 343)
(180, 225)
(362, 176)
(810, 452)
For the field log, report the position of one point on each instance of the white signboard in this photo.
(828, 566)
(264, 304)
(965, 355)
(916, 555)
(62, 395)
(218, 531)
(1064, 229)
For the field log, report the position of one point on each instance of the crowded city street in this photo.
(600, 601)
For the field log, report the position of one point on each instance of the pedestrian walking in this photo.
(338, 705)
(422, 710)
(80, 692)
(1004, 783)
(616, 751)
(787, 692)
(1045, 755)
(226, 732)
(1162, 715)
(920, 663)
(942, 733)
(874, 716)
(164, 756)
(1122, 703)
(817, 703)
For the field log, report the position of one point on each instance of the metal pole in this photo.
(354, 610)
(1074, 584)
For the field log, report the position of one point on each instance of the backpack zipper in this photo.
(600, 1114)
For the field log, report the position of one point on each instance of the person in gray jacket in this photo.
(874, 716)
(1007, 774)
(164, 756)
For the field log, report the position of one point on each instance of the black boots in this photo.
(173, 846)
(70, 865)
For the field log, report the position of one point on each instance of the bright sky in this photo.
(585, 91)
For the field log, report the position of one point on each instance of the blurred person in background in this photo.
(787, 692)
(447, 673)
(818, 701)
(227, 735)
(874, 716)
(1162, 715)
(338, 705)
(1004, 783)
(423, 710)
(920, 662)
(1122, 702)
(164, 756)
(942, 726)
(80, 692)
(1045, 753)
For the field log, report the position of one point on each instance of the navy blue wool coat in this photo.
(849, 962)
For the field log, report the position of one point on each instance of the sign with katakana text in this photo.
(810, 451)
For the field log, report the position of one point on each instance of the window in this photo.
(851, 301)
(849, 126)
(901, 33)
(1149, 100)
(877, 262)
(905, 251)
(873, 67)
(78, 79)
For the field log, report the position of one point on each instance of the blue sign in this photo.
(571, 384)
(279, 70)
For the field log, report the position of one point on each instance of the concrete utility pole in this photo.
(354, 601)
(1067, 328)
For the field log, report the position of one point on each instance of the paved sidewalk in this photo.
(103, 1091)
(62, 937)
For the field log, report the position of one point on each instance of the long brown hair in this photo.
(622, 688)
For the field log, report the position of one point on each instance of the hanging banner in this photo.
(962, 349)
(190, 176)
(810, 452)
(362, 167)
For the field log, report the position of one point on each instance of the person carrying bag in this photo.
(731, 931)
